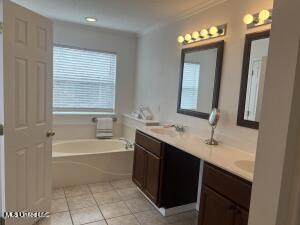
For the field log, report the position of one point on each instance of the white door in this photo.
(27, 110)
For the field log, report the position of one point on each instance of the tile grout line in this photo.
(96, 203)
(122, 200)
(113, 188)
(68, 207)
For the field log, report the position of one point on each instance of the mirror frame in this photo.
(244, 79)
(219, 61)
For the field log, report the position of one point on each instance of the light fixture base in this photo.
(221, 31)
(257, 23)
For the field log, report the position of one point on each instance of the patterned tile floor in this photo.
(110, 203)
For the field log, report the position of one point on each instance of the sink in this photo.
(164, 131)
(246, 165)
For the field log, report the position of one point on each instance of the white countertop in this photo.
(232, 160)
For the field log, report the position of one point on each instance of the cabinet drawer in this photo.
(229, 185)
(150, 144)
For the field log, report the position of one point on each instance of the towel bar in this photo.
(95, 119)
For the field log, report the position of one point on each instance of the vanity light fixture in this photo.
(204, 34)
(180, 39)
(195, 35)
(264, 17)
(91, 19)
(188, 37)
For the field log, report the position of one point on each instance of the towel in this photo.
(104, 128)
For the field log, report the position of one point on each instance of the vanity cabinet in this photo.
(225, 198)
(147, 165)
(160, 171)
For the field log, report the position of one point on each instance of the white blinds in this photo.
(83, 80)
(190, 85)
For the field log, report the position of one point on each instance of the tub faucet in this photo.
(128, 143)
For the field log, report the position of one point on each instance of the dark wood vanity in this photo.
(225, 198)
(169, 177)
(161, 170)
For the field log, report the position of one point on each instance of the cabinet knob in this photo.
(50, 133)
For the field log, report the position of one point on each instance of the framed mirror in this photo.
(200, 78)
(253, 77)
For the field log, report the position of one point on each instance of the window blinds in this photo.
(190, 86)
(83, 81)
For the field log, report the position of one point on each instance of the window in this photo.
(190, 85)
(83, 81)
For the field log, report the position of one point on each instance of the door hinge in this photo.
(1, 130)
(1, 27)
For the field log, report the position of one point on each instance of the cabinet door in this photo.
(241, 217)
(215, 209)
(139, 166)
(152, 177)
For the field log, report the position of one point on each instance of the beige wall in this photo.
(158, 64)
(1, 116)
(276, 187)
(122, 43)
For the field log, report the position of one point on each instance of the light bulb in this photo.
(204, 33)
(264, 15)
(187, 37)
(180, 39)
(248, 19)
(213, 30)
(91, 19)
(195, 35)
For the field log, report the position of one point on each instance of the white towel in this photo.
(104, 128)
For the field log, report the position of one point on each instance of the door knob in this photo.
(50, 133)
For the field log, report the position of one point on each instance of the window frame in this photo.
(197, 88)
(86, 111)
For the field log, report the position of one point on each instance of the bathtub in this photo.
(86, 161)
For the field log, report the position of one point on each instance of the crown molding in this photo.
(186, 14)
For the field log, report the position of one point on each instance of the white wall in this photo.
(1, 117)
(158, 64)
(122, 43)
(276, 187)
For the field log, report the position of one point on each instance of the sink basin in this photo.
(245, 165)
(164, 131)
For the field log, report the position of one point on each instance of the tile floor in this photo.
(110, 203)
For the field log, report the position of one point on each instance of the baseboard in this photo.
(174, 210)
(177, 210)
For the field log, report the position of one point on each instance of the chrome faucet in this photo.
(128, 143)
(179, 128)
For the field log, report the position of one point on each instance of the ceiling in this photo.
(128, 15)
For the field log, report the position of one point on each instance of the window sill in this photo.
(83, 114)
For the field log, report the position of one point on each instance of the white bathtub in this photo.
(89, 161)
